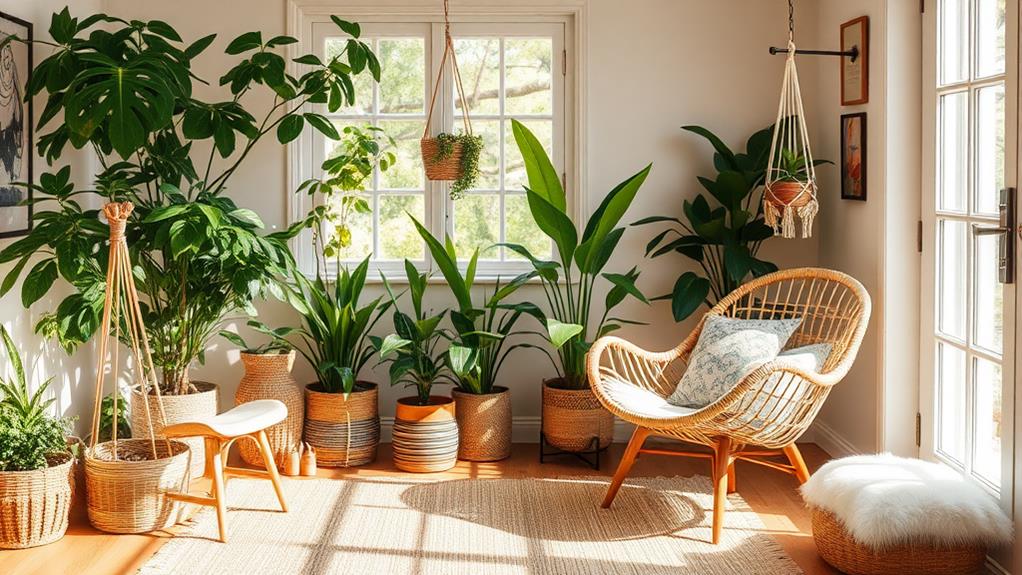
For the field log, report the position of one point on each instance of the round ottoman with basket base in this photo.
(881, 514)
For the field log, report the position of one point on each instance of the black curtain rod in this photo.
(853, 53)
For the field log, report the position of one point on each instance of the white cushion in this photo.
(885, 500)
(242, 420)
(641, 402)
(729, 349)
(808, 357)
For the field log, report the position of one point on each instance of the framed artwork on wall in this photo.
(853, 156)
(855, 74)
(15, 128)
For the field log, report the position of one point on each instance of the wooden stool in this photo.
(248, 420)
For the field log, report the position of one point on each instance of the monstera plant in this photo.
(124, 89)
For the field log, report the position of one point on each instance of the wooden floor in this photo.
(773, 495)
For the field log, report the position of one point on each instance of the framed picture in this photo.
(853, 156)
(15, 128)
(855, 75)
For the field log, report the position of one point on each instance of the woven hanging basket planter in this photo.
(439, 167)
(177, 408)
(484, 424)
(34, 505)
(268, 376)
(573, 417)
(425, 436)
(345, 432)
(837, 547)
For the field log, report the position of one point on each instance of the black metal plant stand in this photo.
(590, 456)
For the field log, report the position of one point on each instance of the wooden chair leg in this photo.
(219, 493)
(211, 447)
(732, 479)
(271, 467)
(631, 452)
(795, 458)
(721, 463)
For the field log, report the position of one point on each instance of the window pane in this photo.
(402, 76)
(398, 239)
(361, 228)
(521, 228)
(489, 159)
(954, 138)
(527, 73)
(988, 319)
(406, 173)
(952, 270)
(951, 401)
(363, 82)
(514, 167)
(954, 41)
(989, 37)
(479, 63)
(989, 147)
(987, 459)
(477, 225)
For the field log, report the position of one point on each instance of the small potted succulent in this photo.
(791, 179)
(453, 157)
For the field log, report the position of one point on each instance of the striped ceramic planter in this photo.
(425, 436)
(344, 431)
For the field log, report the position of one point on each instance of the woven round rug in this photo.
(393, 525)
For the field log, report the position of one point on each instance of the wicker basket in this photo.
(268, 376)
(344, 432)
(129, 496)
(178, 408)
(573, 417)
(838, 548)
(484, 424)
(425, 436)
(34, 505)
(437, 168)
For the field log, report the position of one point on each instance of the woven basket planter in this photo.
(129, 496)
(442, 169)
(268, 376)
(177, 408)
(484, 424)
(34, 505)
(425, 436)
(344, 432)
(573, 417)
(837, 547)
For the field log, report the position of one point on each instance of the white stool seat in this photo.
(244, 419)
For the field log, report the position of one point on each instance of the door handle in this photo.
(1006, 230)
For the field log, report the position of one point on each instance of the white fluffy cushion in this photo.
(728, 349)
(808, 357)
(640, 401)
(885, 500)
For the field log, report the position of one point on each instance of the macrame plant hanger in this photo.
(789, 194)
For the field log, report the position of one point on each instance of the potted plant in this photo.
(573, 419)
(453, 157)
(791, 180)
(36, 468)
(477, 353)
(199, 257)
(268, 376)
(425, 427)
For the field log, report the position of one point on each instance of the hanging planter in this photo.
(451, 157)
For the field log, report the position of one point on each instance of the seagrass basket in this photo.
(344, 432)
(440, 168)
(268, 376)
(177, 408)
(484, 424)
(573, 417)
(34, 505)
(837, 547)
(127, 496)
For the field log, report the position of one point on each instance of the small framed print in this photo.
(855, 75)
(853, 156)
(15, 128)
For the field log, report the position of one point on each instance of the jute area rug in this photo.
(474, 527)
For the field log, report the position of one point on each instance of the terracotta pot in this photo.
(484, 424)
(573, 417)
(268, 376)
(344, 432)
(34, 505)
(787, 194)
(425, 436)
(177, 408)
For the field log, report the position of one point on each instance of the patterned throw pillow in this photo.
(727, 350)
(808, 357)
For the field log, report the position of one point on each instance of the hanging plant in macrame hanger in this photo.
(451, 157)
(790, 179)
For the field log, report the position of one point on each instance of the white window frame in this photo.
(467, 19)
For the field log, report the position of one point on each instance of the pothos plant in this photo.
(124, 89)
(471, 147)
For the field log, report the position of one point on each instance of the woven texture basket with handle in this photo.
(268, 376)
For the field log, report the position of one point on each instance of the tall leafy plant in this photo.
(124, 89)
(570, 281)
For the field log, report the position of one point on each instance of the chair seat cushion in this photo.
(244, 419)
(885, 501)
(640, 401)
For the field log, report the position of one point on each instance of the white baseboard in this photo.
(831, 441)
(524, 429)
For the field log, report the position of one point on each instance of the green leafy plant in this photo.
(471, 148)
(28, 433)
(581, 260)
(124, 90)
(792, 167)
(481, 333)
(277, 343)
(107, 418)
(413, 350)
